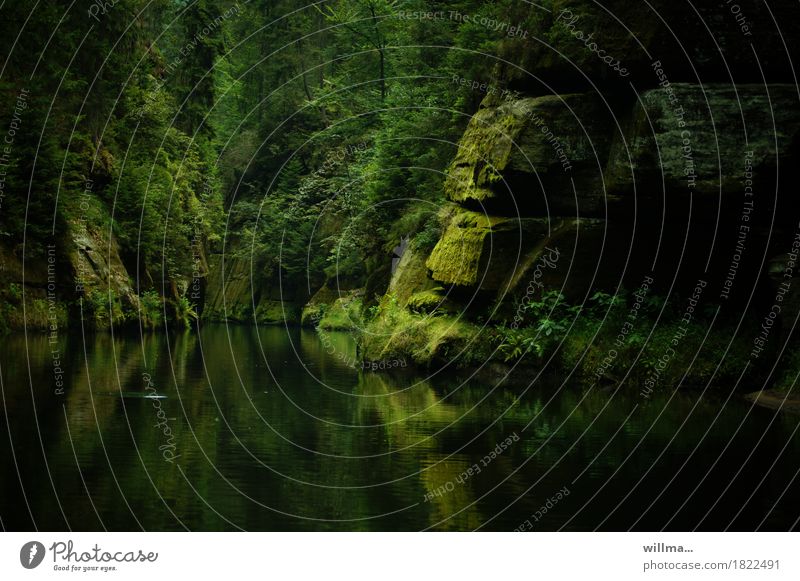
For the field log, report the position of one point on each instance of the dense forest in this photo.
(176, 130)
(460, 183)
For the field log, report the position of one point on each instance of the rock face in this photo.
(523, 156)
(231, 295)
(694, 138)
(83, 275)
(477, 250)
(86, 269)
(97, 269)
(410, 277)
(681, 158)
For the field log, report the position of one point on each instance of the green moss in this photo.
(483, 154)
(331, 310)
(461, 256)
(315, 309)
(344, 314)
(456, 257)
(411, 275)
(312, 314)
(426, 301)
(270, 312)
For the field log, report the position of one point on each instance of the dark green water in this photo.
(270, 430)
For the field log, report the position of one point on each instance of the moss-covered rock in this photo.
(334, 310)
(429, 301)
(481, 251)
(397, 333)
(314, 310)
(311, 315)
(522, 156)
(456, 258)
(542, 187)
(410, 276)
(344, 314)
(100, 277)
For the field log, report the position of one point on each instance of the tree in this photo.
(365, 25)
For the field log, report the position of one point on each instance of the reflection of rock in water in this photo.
(409, 414)
(446, 510)
(332, 350)
(415, 419)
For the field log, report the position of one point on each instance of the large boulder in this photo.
(507, 257)
(477, 250)
(523, 156)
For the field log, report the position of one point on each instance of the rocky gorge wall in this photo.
(81, 280)
(639, 186)
(43, 287)
(674, 163)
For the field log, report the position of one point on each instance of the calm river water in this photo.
(269, 429)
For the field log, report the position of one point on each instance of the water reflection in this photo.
(272, 429)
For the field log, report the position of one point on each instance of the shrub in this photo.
(151, 309)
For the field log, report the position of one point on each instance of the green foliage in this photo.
(116, 119)
(551, 314)
(14, 292)
(102, 309)
(346, 314)
(514, 344)
(545, 323)
(184, 312)
(384, 96)
(151, 311)
(429, 234)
